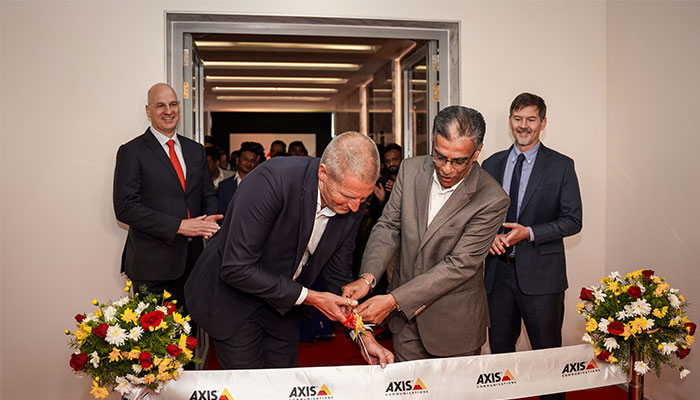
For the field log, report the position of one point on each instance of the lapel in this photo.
(160, 155)
(422, 200)
(538, 170)
(456, 202)
(501, 165)
(307, 212)
(188, 153)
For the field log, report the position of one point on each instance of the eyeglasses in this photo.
(457, 163)
(161, 106)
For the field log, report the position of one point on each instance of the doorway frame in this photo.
(446, 33)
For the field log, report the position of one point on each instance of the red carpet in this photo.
(342, 351)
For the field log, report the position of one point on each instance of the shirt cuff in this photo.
(532, 234)
(302, 296)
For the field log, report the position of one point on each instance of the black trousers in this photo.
(542, 315)
(265, 340)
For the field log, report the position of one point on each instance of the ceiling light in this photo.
(362, 48)
(273, 89)
(304, 79)
(285, 98)
(281, 65)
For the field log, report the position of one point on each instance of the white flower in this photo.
(650, 324)
(615, 276)
(674, 291)
(162, 309)
(587, 338)
(135, 333)
(134, 379)
(675, 302)
(142, 306)
(641, 367)
(603, 325)
(95, 359)
(677, 320)
(121, 301)
(622, 315)
(186, 327)
(123, 386)
(109, 313)
(684, 373)
(159, 388)
(599, 294)
(641, 287)
(90, 318)
(136, 368)
(611, 344)
(641, 307)
(116, 335)
(668, 348)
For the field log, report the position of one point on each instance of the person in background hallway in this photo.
(443, 214)
(297, 148)
(247, 161)
(526, 270)
(163, 190)
(218, 174)
(223, 160)
(278, 148)
(293, 219)
(233, 161)
(391, 160)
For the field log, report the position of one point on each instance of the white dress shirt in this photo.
(438, 197)
(320, 222)
(163, 140)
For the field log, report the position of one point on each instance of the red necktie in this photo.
(177, 166)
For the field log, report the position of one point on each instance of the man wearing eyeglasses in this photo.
(526, 271)
(163, 190)
(443, 214)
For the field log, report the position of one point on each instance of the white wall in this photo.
(653, 203)
(73, 82)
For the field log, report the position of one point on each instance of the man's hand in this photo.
(389, 185)
(377, 308)
(357, 289)
(379, 192)
(517, 234)
(378, 354)
(499, 244)
(213, 218)
(199, 226)
(330, 305)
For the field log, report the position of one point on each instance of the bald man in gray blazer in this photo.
(443, 214)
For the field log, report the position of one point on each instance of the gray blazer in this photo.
(439, 281)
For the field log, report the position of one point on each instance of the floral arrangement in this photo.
(138, 341)
(641, 311)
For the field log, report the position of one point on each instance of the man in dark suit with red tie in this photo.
(525, 273)
(163, 190)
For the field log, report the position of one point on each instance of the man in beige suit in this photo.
(443, 213)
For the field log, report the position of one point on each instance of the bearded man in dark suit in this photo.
(163, 190)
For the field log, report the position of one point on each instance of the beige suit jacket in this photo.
(439, 281)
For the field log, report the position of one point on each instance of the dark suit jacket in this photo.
(149, 198)
(251, 260)
(552, 208)
(227, 188)
(439, 281)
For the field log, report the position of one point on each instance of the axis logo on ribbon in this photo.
(211, 395)
(311, 392)
(497, 378)
(580, 368)
(408, 386)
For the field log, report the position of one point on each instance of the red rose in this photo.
(692, 327)
(682, 352)
(647, 274)
(173, 350)
(171, 307)
(604, 355)
(78, 361)
(616, 328)
(152, 319)
(191, 343)
(145, 360)
(634, 292)
(101, 330)
(586, 294)
(79, 317)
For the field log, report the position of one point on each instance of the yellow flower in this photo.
(657, 280)
(177, 317)
(166, 294)
(660, 289)
(83, 331)
(660, 313)
(115, 355)
(67, 332)
(174, 301)
(164, 365)
(634, 274)
(175, 374)
(98, 313)
(672, 322)
(689, 339)
(681, 298)
(612, 359)
(597, 350)
(684, 320)
(130, 316)
(627, 332)
(148, 379)
(94, 302)
(613, 286)
(187, 318)
(591, 325)
(157, 360)
(164, 377)
(163, 325)
(97, 391)
(638, 325)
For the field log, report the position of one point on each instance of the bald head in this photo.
(163, 108)
(159, 88)
(352, 154)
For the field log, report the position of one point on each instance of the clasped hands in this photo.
(204, 225)
(517, 234)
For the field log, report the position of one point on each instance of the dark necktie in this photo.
(512, 215)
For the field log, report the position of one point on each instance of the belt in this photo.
(508, 259)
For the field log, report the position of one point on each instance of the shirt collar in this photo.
(162, 139)
(325, 211)
(530, 154)
(439, 187)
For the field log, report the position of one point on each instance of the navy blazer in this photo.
(148, 196)
(251, 260)
(227, 188)
(552, 207)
